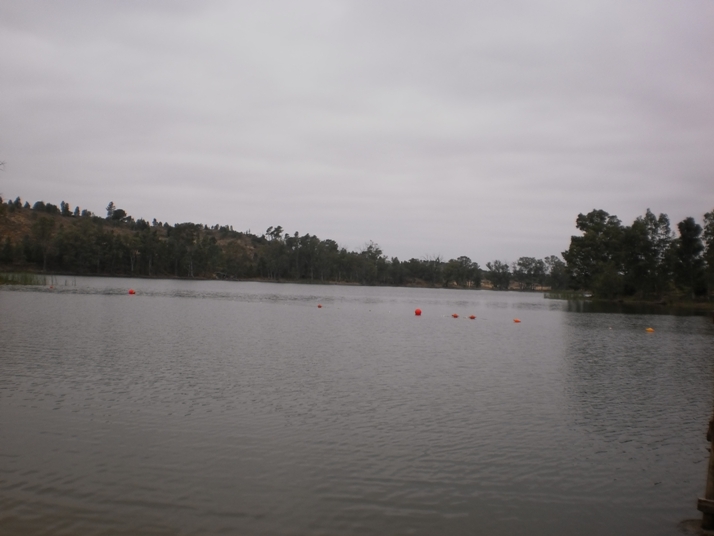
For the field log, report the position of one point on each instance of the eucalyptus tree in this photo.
(556, 273)
(463, 271)
(708, 236)
(499, 274)
(328, 252)
(7, 253)
(529, 272)
(42, 232)
(371, 264)
(594, 259)
(646, 255)
(689, 261)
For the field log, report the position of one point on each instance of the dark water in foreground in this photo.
(241, 408)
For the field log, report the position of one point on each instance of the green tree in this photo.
(499, 274)
(608, 281)
(689, 267)
(432, 269)
(598, 250)
(463, 271)
(529, 271)
(274, 233)
(42, 233)
(372, 264)
(148, 250)
(556, 273)
(7, 252)
(646, 255)
(185, 237)
(708, 236)
(119, 214)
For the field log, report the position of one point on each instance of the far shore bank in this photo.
(702, 306)
(245, 280)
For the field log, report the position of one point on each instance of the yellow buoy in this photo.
(650, 330)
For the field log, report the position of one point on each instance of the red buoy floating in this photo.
(455, 315)
(417, 312)
(319, 306)
(472, 317)
(132, 291)
(516, 320)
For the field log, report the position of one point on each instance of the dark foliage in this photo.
(68, 240)
(645, 260)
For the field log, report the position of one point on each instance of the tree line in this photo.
(69, 240)
(646, 260)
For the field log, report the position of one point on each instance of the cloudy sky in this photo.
(477, 128)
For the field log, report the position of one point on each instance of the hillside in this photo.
(47, 238)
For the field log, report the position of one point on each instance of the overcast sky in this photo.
(476, 128)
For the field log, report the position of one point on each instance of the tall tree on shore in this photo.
(595, 259)
(556, 273)
(528, 272)
(708, 236)
(689, 267)
(463, 271)
(646, 256)
(42, 233)
(499, 274)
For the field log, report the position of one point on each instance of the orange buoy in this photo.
(516, 320)
(455, 315)
(132, 291)
(319, 306)
(650, 330)
(417, 312)
(472, 317)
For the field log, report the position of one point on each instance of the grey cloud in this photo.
(458, 128)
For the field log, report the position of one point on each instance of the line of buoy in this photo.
(417, 312)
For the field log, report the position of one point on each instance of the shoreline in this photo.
(700, 306)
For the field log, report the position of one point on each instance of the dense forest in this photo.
(645, 260)
(47, 237)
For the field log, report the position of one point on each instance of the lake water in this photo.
(213, 407)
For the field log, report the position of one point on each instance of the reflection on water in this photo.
(242, 408)
(595, 306)
(634, 396)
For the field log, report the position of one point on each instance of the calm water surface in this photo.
(209, 408)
